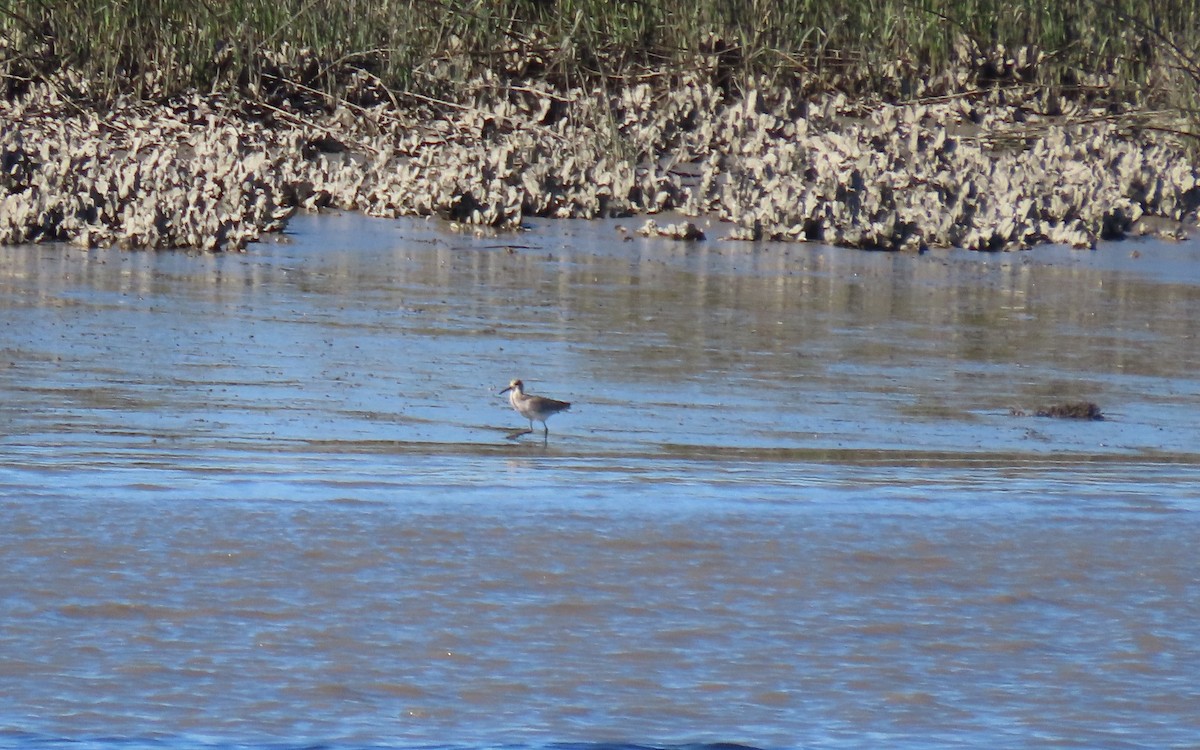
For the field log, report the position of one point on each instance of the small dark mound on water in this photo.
(1077, 410)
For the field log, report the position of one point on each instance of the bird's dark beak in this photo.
(506, 390)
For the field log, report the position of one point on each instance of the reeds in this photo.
(152, 48)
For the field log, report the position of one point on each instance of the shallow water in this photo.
(271, 500)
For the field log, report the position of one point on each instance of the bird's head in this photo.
(514, 385)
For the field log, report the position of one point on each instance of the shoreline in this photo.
(994, 169)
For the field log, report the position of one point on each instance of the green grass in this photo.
(154, 48)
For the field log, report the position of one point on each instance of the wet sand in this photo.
(269, 500)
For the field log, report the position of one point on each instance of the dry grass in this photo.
(1145, 52)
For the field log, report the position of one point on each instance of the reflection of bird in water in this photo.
(533, 407)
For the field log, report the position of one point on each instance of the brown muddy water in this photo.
(270, 500)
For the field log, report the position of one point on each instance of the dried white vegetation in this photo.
(979, 173)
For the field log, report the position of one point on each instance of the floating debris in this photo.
(684, 230)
